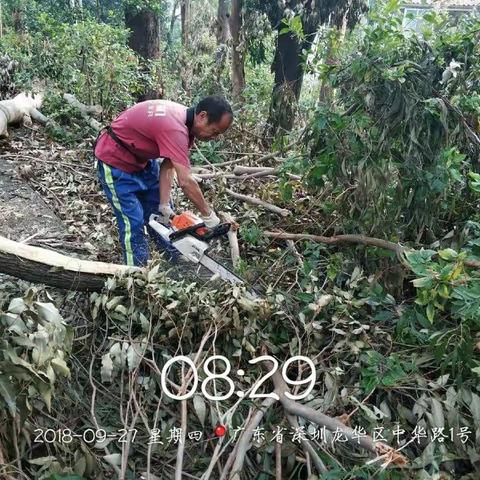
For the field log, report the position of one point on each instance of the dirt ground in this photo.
(24, 215)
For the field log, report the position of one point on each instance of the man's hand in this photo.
(165, 213)
(211, 220)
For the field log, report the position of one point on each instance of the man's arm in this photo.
(167, 171)
(186, 182)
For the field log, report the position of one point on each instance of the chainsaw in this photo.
(191, 237)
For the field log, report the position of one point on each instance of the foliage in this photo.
(35, 342)
(88, 59)
(385, 152)
(397, 141)
(448, 295)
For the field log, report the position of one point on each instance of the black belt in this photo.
(120, 142)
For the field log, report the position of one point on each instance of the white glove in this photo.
(211, 220)
(165, 213)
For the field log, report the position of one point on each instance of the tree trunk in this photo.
(1, 19)
(18, 19)
(39, 265)
(238, 56)
(288, 69)
(185, 16)
(222, 32)
(173, 19)
(145, 41)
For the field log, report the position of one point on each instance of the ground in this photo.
(51, 197)
(25, 215)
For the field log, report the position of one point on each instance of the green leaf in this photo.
(423, 282)
(45, 391)
(430, 312)
(420, 260)
(17, 305)
(48, 312)
(60, 366)
(201, 408)
(7, 391)
(42, 460)
(448, 254)
(134, 355)
(114, 459)
(107, 368)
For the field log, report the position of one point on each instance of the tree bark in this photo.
(238, 56)
(173, 19)
(288, 70)
(222, 32)
(39, 265)
(185, 17)
(145, 41)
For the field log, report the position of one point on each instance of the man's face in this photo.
(209, 131)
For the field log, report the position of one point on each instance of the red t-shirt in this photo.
(152, 129)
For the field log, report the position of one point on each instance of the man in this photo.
(134, 183)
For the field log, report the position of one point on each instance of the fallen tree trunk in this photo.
(39, 265)
(22, 107)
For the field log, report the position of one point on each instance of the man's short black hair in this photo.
(215, 106)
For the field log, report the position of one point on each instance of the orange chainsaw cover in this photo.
(185, 220)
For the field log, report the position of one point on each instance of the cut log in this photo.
(39, 265)
(17, 109)
(232, 238)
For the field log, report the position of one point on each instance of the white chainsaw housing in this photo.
(190, 247)
(195, 251)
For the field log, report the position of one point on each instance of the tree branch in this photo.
(293, 408)
(246, 437)
(256, 201)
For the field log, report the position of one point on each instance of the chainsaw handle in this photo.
(196, 231)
